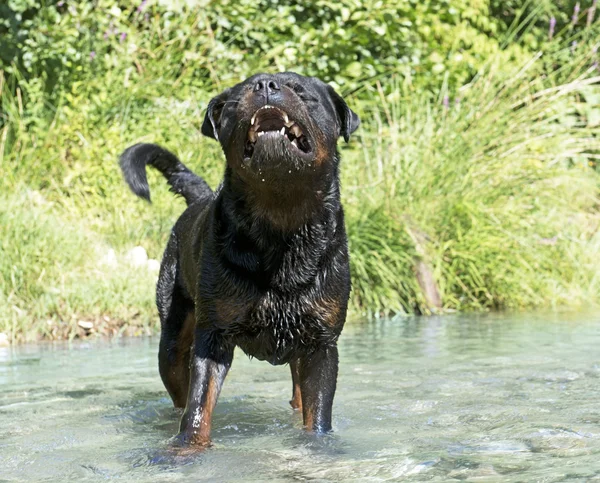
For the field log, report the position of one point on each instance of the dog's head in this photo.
(279, 125)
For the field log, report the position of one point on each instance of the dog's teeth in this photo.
(296, 131)
(282, 132)
(253, 120)
(285, 117)
(295, 142)
(260, 133)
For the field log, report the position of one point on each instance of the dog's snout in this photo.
(267, 88)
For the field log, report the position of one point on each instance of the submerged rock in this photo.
(4, 342)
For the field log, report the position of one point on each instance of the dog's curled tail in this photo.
(183, 182)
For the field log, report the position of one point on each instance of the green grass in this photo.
(494, 194)
(54, 275)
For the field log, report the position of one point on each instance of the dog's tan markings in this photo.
(307, 413)
(202, 418)
(296, 401)
(179, 372)
(229, 309)
(321, 152)
(186, 336)
(209, 406)
(328, 311)
(333, 312)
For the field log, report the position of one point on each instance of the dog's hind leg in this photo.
(177, 328)
(296, 401)
(176, 340)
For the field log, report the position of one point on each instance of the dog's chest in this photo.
(276, 326)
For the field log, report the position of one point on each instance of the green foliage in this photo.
(60, 43)
(495, 194)
(46, 42)
(487, 182)
(52, 275)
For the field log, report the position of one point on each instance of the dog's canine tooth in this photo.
(285, 117)
(296, 131)
(295, 142)
(282, 132)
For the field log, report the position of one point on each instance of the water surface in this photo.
(474, 398)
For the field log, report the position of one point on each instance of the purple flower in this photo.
(573, 46)
(551, 29)
(92, 55)
(446, 102)
(142, 5)
(575, 13)
(122, 37)
(60, 4)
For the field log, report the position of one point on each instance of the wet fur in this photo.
(259, 266)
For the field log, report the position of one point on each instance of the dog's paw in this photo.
(187, 445)
(296, 404)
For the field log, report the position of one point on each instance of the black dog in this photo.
(262, 263)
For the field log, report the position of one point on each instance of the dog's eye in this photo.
(297, 88)
(301, 92)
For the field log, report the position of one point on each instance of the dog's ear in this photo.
(349, 120)
(212, 119)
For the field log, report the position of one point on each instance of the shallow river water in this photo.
(476, 398)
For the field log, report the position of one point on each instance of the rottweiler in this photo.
(262, 262)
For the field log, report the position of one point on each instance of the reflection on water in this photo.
(486, 398)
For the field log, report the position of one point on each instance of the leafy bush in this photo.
(494, 193)
(349, 42)
(487, 184)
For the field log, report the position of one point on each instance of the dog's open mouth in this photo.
(272, 122)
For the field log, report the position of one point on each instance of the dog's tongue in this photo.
(270, 121)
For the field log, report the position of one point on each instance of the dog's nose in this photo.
(267, 87)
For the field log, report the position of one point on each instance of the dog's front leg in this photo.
(209, 364)
(318, 376)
